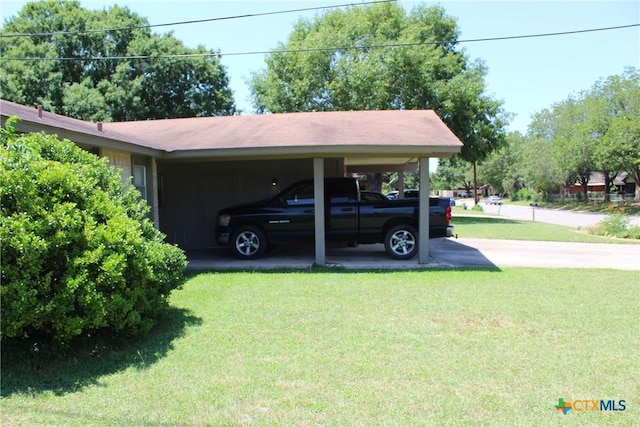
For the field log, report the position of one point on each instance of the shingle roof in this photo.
(79, 131)
(372, 133)
(388, 127)
(597, 178)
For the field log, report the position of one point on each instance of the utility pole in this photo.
(475, 185)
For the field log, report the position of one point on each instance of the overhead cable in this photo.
(198, 21)
(321, 49)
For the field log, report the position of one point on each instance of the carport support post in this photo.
(318, 194)
(423, 206)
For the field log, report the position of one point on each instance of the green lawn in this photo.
(479, 225)
(597, 207)
(437, 347)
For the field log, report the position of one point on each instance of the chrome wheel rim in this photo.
(402, 242)
(247, 243)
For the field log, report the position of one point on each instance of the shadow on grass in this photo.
(27, 371)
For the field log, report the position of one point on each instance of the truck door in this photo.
(341, 210)
(293, 218)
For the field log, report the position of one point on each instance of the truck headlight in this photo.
(223, 220)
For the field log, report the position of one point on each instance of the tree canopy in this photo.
(381, 57)
(615, 102)
(597, 130)
(106, 66)
(452, 173)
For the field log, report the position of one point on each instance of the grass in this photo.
(486, 227)
(602, 207)
(595, 207)
(454, 347)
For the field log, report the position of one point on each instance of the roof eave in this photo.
(327, 151)
(83, 138)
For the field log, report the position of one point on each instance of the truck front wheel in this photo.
(401, 242)
(248, 242)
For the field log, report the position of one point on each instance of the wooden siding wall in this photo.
(124, 162)
(120, 160)
(191, 194)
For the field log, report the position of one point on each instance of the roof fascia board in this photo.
(408, 167)
(315, 151)
(84, 139)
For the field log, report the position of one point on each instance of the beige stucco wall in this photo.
(192, 193)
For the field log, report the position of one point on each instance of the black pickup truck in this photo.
(289, 217)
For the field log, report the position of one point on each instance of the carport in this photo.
(389, 140)
(297, 144)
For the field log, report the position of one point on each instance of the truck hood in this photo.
(245, 207)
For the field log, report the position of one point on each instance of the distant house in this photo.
(623, 183)
(188, 169)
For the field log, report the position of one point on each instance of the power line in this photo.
(488, 39)
(198, 21)
(562, 33)
(322, 49)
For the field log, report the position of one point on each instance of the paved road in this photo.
(553, 216)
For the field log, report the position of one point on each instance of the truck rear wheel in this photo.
(248, 242)
(401, 242)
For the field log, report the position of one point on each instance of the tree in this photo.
(567, 129)
(452, 173)
(605, 158)
(575, 143)
(502, 169)
(615, 106)
(379, 57)
(106, 66)
(541, 172)
(597, 130)
(79, 254)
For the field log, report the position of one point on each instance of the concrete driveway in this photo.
(452, 253)
(443, 253)
(466, 252)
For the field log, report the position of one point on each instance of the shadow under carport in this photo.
(443, 253)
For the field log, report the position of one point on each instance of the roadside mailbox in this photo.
(533, 209)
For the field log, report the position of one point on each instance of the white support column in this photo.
(318, 191)
(423, 241)
(400, 185)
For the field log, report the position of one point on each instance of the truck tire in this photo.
(401, 242)
(248, 242)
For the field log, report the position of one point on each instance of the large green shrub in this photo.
(616, 224)
(79, 253)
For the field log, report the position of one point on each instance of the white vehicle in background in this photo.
(493, 200)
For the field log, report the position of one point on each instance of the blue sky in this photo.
(527, 74)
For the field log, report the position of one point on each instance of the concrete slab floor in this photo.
(443, 253)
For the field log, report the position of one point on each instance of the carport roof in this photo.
(362, 137)
(81, 132)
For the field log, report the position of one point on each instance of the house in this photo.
(622, 184)
(190, 168)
